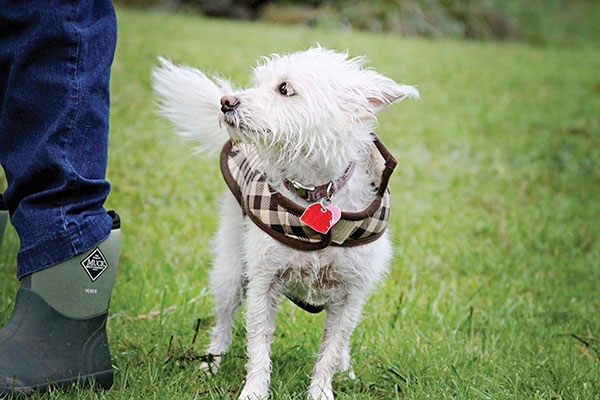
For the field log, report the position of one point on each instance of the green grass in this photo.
(496, 223)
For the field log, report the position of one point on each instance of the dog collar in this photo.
(279, 216)
(315, 193)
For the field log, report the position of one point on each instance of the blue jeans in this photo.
(55, 59)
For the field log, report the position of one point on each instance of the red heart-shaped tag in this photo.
(319, 218)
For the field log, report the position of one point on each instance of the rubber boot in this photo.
(56, 335)
(3, 218)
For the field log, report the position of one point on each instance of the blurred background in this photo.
(539, 22)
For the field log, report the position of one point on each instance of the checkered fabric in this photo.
(280, 217)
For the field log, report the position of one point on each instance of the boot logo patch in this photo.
(95, 264)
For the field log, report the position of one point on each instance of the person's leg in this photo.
(55, 59)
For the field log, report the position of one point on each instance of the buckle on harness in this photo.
(301, 190)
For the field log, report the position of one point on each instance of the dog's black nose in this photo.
(229, 103)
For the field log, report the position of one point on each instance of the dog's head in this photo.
(318, 105)
(309, 110)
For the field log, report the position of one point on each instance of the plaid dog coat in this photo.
(280, 217)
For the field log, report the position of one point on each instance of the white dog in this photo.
(310, 201)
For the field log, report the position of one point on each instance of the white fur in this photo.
(310, 135)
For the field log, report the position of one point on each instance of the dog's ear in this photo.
(382, 91)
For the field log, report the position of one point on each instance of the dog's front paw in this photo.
(317, 392)
(254, 392)
(252, 396)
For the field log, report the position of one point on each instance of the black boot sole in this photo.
(102, 380)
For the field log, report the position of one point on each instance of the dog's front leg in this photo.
(226, 278)
(334, 352)
(261, 298)
(227, 292)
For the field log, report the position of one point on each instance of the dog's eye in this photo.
(286, 89)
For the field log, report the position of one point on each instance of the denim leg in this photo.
(55, 59)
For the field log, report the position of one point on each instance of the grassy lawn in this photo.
(495, 288)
